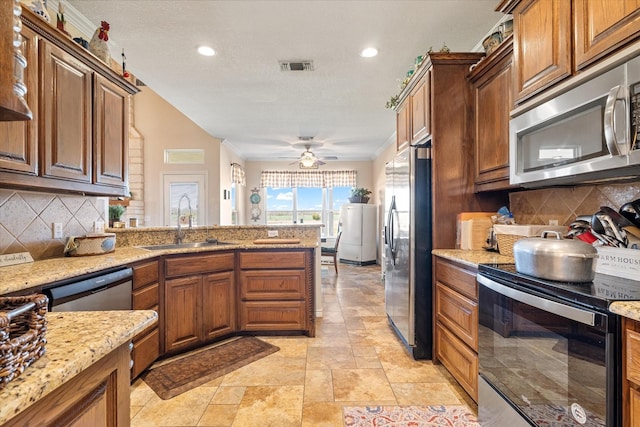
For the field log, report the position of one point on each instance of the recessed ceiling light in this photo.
(206, 51)
(369, 52)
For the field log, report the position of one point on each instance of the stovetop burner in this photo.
(597, 294)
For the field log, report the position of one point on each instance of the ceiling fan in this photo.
(308, 159)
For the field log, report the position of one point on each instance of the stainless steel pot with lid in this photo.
(565, 260)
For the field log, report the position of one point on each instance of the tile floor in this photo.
(354, 360)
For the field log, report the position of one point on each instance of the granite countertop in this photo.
(15, 278)
(473, 258)
(630, 309)
(75, 341)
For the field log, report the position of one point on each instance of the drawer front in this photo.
(146, 298)
(460, 360)
(457, 278)
(272, 259)
(198, 264)
(458, 313)
(272, 285)
(144, 274)
(634, 408)
(633, 356)
(146, 350)
(272, 315)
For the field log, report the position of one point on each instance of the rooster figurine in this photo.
(98, 44)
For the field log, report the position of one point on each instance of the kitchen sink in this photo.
(186, 245)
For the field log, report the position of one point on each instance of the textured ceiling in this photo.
(241, 96)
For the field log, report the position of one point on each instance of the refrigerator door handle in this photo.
(389, 231)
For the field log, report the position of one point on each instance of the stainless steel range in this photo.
(549, 352)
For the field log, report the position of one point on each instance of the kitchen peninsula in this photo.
(83, 375)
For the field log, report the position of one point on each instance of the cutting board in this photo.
(275, 241)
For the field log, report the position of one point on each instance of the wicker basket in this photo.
(507, 235)
(23, 327)
(505, 243)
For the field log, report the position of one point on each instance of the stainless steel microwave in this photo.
(587, 134)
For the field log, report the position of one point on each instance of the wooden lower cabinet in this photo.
(199, 299)
(631, 373)
(460, 360)
(97, 397)
(276, 291)
(456, 322)
(146, 296)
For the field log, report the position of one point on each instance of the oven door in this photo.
(543, 361)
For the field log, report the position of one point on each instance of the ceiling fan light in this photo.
(307, 161)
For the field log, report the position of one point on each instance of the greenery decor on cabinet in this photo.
(115, 214)
(359, 195)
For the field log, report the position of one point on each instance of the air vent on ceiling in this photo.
(296, 65)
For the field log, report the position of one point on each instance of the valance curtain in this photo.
(316, 179)
(237, 174)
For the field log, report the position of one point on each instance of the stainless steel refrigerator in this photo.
(408, 281)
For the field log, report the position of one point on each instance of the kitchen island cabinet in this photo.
(146, 296)
(199, 299)
(83, 378)
(276, 291)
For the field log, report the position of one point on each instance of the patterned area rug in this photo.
(409, 416)
(183, 374)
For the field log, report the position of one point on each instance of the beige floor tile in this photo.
(364, 362)
(228, 396)
(330, 358)
(134, 410)
(271, 370)
(318, 386)
(182, 410)
(361, 384)
(141, 393)
(322, 414)
(270, 406)
(425, 394)
(218, 416)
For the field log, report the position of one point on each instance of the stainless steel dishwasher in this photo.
(105, 290)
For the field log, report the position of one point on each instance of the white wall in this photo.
(163, 127)
(227, 156)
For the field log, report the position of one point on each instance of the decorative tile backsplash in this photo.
(565, 203)
(26, 220)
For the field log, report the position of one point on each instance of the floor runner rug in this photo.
(409, 416)
(183, 374)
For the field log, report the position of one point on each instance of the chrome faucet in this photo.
(179, 235)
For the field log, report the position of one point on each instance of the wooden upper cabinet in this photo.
(420, 109)
(13, 105)
(492, 87)
(111, 118)
(541, 45)
(601, 26)
(66, 119)
(19, 139)
(402, 126)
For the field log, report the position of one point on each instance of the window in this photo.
(306, 205)
(279, 205)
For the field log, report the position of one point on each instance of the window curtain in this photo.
(237, 174)
(315, 179)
